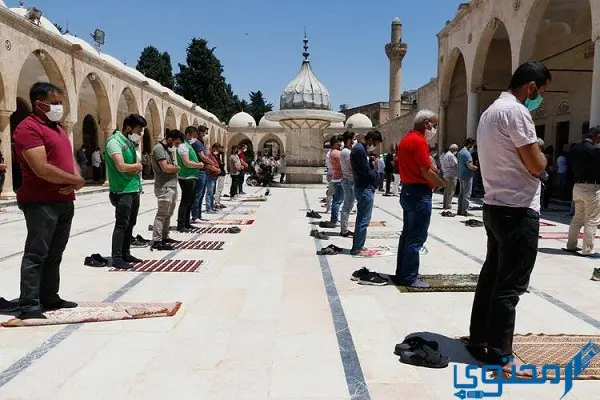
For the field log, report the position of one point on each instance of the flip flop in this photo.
(424, 356)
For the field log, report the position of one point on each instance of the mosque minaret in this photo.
(396, 50)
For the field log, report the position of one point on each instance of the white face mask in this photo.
(370, 148)
(354, 142)
(56, 112)
(341, 145)
(172, 148)
(193, 140)
(135, 137)
(431, 133)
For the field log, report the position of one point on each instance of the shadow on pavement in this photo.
(452, 348)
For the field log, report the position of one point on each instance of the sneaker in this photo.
(59, 304)
(184, 230)
(140, 239)
(121, 264)
(162, 246)
(31, 315)
(596, 274)
(347, 234)
(359, 274)
(131, 259)
(171, 241)
(137, 244)
(327, 224)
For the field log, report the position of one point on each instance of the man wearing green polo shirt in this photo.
(125, 185)
(190, 165)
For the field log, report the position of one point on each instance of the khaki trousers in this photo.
(587, 216)
(167, 199)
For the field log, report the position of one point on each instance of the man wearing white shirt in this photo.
(96, 165)
(511, 162)
(450, 174)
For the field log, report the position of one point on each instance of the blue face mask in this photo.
(533, 105)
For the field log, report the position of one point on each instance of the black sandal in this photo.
(424, 356)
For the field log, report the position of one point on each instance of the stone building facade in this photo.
(99, 90)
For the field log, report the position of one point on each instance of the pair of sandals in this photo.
(95, 260)
(313, 214)
(318, 235)
(233, 229)
(327, 224)
(448, 214)
(330, 250)
(419, 352)
(473, 223)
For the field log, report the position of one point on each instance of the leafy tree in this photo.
(157, 66)
(258, 105)
(201, 81)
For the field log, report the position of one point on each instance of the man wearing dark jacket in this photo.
(366, 181)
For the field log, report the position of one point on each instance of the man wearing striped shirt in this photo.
(336, 181)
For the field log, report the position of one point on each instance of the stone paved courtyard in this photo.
(268, 319)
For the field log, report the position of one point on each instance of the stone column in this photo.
(442, 125)
(472, 114)
(6, 149)
(595, 104)
(395, 51)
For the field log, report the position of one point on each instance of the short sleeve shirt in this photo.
(200, 148)
(505, 127)
(233, 159)
(162, 179)
(449, 165)
(35, 132)
(346, 165)
(413, 154)
(464, 158)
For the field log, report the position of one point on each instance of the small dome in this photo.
(242, 120)
(397, 21)
(337, 125)
(265, 123)
(44, 22)
(84, 45)
(359, 121)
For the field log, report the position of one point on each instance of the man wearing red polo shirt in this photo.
(50, 178)
(419, 177)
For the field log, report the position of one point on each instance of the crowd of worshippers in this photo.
(51, 175)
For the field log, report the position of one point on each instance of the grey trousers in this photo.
(466, 187)
(449, 192)
(167, 199)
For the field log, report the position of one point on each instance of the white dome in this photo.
(359, 121)
(337, 125)
(85, 45)
(44, 22)
(265, 123)
(242, 120)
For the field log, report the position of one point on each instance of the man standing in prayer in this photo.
(366, 182)
(347, 183)
(202, 152)
(235, 166)
(123, 170)
(189, 169)
(419, 178)
(586, 192)
(450, 173)
(50, 178)
(511, 162)
(466, 172)
(336, 181)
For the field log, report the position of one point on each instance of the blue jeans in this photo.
(336, 202)
(211, 184)
(364, 205)
(200, 191)
(416, 205)
(348, 188)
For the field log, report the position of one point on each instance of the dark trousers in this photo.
(511, 252)
(127, 206)
(416, 207)
(235, 184)
(48, 229)
(188, 194)
(389, 178)
(281, 177)
(97, 173)
(240, 182)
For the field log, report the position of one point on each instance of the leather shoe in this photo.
(59, 304)
(131, 259)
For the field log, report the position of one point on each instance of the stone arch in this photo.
(40, 66)
(239, 138)
(184, 123)
(22, 110)
(170, 120)
(454, 92)
(212, 138)
(271, 138)
(195, 123)
(92, 100)
(126, 105)
(154, 129)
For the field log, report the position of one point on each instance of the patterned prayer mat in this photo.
(227, 222)
(373, 224)
(545, 223)
(250, 198)
(163, 266)
(99, 312)
(382, 251)
(204, 229)
(446, 283)
(559, 235)
(240, 211)
(383, 235)
(540, 350)
(199, 245)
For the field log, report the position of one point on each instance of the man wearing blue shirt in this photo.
(466, 171)
(203, 154)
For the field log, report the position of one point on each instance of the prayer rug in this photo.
(163, 266)
(383, 235)
(540, 350)
(382, 251)
(559, 235)
(250, 198)
(227, 222)
(239, 211)
(199, 245)
(204, 229)
(99, 312)
(373, 224)
(545, 223)
(446, 283)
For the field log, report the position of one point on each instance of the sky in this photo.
(259, 42)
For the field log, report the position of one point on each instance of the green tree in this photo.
(156, 65)
(201, 81)
(258, 105)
